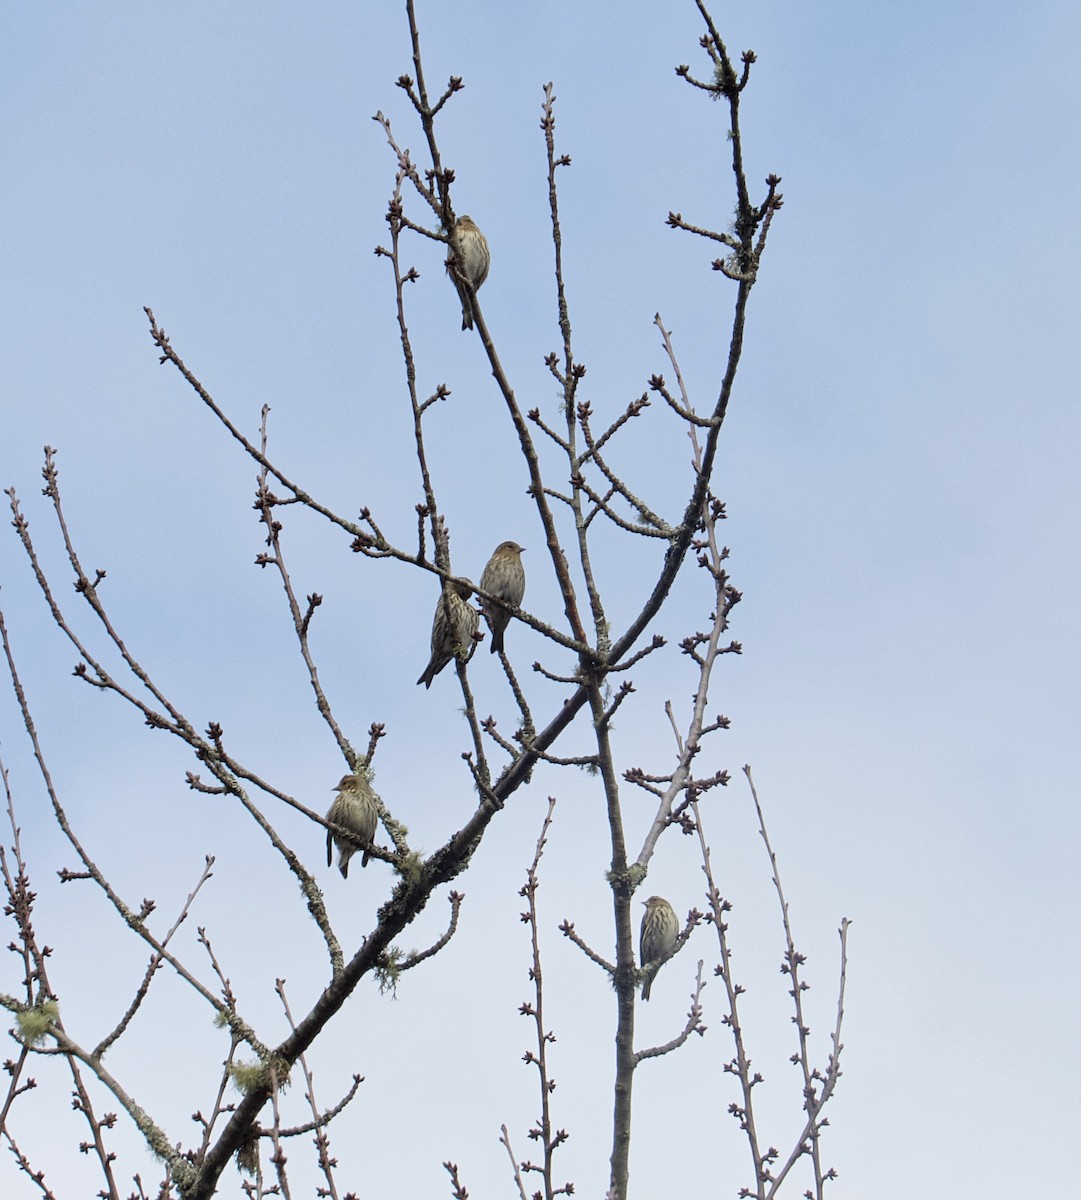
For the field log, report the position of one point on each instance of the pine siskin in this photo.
(452, 630)
(660, 928)
(354, 809)
(504, 576)
(471, 262)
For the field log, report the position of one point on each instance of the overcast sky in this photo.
(900, 465)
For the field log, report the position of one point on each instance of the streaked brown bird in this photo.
(354, 809)
(452, 629)
(660, 928)
(504, 576)
(471, 263)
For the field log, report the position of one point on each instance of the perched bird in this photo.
(471, 263)
(354, 809)
(504, 576)
(660, 928)
(452, 630)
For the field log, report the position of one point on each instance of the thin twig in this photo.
(693, 1025)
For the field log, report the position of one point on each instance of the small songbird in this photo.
(504, 576)
(452, 630)
(660, 928)
(354, 809)
(471, 263)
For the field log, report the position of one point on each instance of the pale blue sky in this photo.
(900, 465)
